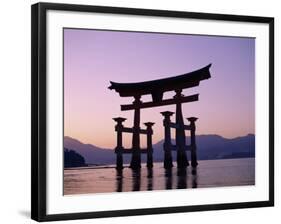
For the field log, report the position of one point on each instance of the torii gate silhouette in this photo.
(156, 88)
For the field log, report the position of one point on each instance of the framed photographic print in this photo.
(140, 111)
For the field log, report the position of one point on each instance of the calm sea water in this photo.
(209, 173)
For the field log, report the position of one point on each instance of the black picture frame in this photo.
(39, 121)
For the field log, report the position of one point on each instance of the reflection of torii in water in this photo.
(156, 88)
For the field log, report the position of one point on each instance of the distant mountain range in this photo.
(208, 147)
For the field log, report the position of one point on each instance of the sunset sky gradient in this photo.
(92, 58)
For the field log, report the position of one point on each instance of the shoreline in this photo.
(113, 166)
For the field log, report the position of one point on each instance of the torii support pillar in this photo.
(168, 161)
(149, 125)
(119, 148)
(192, 120)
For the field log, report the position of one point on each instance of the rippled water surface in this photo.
(209, 173)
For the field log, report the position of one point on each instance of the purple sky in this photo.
(92, 58)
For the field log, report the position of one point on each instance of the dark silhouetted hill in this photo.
(208, 147)
(73, 159)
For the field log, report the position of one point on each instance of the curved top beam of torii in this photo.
(157, 87)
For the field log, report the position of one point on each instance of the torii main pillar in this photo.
(182, 160)
(136, 154)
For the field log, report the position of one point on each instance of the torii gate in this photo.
(157, 88)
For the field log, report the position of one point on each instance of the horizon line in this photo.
(163, 138)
